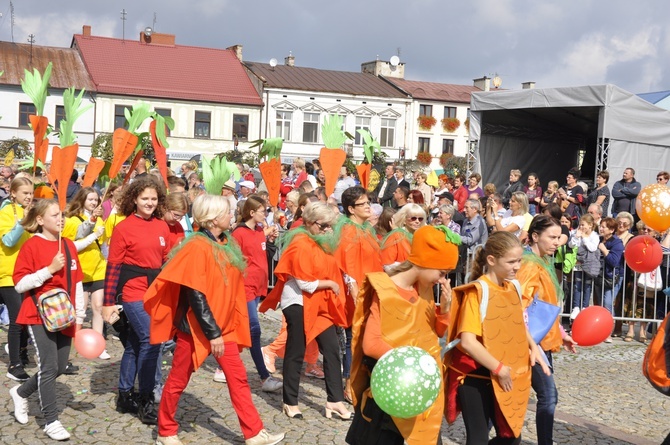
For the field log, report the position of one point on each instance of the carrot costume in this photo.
(503, 334)
(395, 246)
(219, 278)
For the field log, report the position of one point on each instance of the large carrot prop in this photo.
(270, 168)
(133, 166)
(93, 170)
(216, 171)
(62, 165)
(159, 141)
(332, 156)
(370, 145)
(36, 87)
(124, 141)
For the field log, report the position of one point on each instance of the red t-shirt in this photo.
(252, 244)
(38, 253)
(139, 242)
(176, 233)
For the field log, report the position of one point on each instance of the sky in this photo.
(552, 43)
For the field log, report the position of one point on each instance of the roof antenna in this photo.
(11, 10)
(123, 19)
(153, 26)
(31, 40)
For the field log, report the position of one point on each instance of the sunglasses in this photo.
(416, 218)
(361, 204)
(322, 226)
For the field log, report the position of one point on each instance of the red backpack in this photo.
(656, 362)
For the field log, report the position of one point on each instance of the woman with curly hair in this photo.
(137, 250)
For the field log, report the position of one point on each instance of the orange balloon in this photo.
(653, 206)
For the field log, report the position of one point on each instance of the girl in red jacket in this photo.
(44, 264)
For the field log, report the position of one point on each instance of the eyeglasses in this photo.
(416, 218)
(322, 226)
(647, 229)
(622, 223)
(362, 204)
(176, 216)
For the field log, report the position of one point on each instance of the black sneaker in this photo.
(17, 373)
(71, 369)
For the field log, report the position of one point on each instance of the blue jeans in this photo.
(547, 398)
(139, 356)
(582, 286)
(608, 294)
(255, 350)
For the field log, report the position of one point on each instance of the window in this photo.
(425, 110)
(60, 115)
(449, 112)
(424, 145)
(203, 119)
(448, 146)
(310, 127)
(165, 112)
(387, 137)
(284, 124)
(241, 126)
(362, 122)
(25, 110)
(344, 120)
(120, 117)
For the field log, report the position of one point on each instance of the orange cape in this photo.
(305, 260)
(203, 265)
(396, 247)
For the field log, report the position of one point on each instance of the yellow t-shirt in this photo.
(112, 221)
(93, 263)
(8, 254)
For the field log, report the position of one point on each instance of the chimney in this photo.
(290, 59)
(528, 86)
(383, 68)
(483, 83)
(156, 38)
(86, 30)
(237, 49)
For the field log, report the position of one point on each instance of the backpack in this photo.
(590, 261)
(656, 362)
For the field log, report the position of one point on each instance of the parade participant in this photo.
(176, 208)
(482, 386)
(408, 291)
(44, 263)
(252, 238)
(84, 226)
(397, 244)
(537, 277)
(309, 284)
(137, 250)
(357, 254)
(208, 313)
(13, 236)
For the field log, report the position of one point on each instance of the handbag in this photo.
(54, 306)
(540, 318)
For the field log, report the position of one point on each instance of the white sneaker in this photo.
(271, 384)
(7, 348)
(219, 376)
(20, 406)
(574, 313)
(265, 438)
(104, 355)
(168, 440)
(56, 431)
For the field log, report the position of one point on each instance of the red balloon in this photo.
(643, 253)
(89, 343)
(592, 326)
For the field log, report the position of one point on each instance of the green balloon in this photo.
(405, 382)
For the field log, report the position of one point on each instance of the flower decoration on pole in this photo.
(332, 156)
(450, 124)
(370, 146)
(36, 86)
(424, 157)
(467, 124)
(426, 122)
(270, 168)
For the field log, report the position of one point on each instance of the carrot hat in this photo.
(435, 247)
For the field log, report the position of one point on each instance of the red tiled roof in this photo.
(317, 80)
(166, 71)
(443, 92)
(68, 68)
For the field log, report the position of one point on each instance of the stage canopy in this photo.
(549, 131)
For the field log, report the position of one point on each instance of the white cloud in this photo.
(58, 29)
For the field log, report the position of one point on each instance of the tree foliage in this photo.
(22, 149)
(102, 147)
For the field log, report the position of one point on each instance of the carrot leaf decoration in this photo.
(161, 122)
(36, 87)
(141, 111)
(370, 145)
(271, 148)
(331, 132)
(216, 171)
(73, 110)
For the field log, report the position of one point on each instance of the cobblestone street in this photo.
(603, 399)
